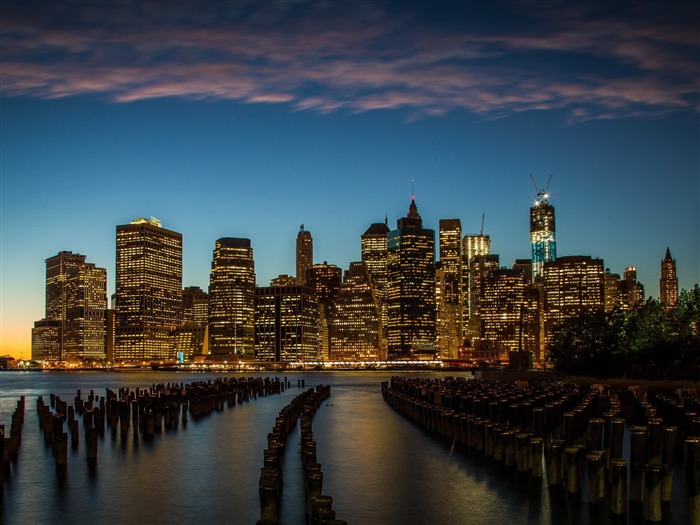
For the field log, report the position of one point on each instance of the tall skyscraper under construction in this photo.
(542, 232)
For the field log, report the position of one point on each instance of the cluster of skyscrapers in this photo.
(400, 302)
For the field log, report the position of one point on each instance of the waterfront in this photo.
(378, 467)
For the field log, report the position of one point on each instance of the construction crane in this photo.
(542, 195)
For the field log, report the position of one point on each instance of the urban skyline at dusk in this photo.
(242, 122)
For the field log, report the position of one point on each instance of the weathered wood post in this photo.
(618, 487)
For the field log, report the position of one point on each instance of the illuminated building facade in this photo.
(46, 340)
(86, 303)
(76, 297)
(632, 294)
(472, 245)
(232, 299)
(479, 267)
(325, 279)
(374, 254)
(286, 324)
(449, 288)
(542, 234)
(411, 288)
(572, 285)
(189, 340)
(611, 291)
(148, 299)
(305, 254)
(508, 311)
(668, 284)
(195, 306)
(355, 327)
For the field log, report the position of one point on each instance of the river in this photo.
(378, 467)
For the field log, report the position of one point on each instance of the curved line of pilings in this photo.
(569, 435)
(9, 446)
(319, 509)
(144, 412)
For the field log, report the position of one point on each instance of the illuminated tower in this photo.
(411, 288)
(305, 254)
(450, 295)
(148, 290)
(542, 232)
(355, 329)
(631, 291)
(668, 285)
(232, 299)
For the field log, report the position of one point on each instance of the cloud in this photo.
(328, 56)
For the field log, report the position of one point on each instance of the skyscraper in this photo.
(355, 326)
(305, 254)
(668, 284)
(542, 234)
(449, 310)
(286, 324)
(325, 280)
(411, 288)
(472, 245)
(232, 299)
(572, 285)
(195, 306)
(148, 290)
(374, 255)
(76, 300)
(631, 290)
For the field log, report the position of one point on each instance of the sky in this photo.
(249, 119)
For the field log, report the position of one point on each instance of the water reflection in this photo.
(378, 467)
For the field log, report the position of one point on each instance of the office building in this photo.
(195, 306)
(668, 284)
(355, 327)
(305, 254)
(46, 340)
(76, 299)
(472, 245)
(325, 279)
(449, 289)
(232, 300)
(286, 324)
(479, 267)
(148, 290)
(572, 284)
(508, 311)
(411, 325)
(632, 294)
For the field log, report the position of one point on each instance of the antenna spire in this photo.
(481, 233)
(413, 192)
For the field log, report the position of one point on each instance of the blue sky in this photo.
(249, 121)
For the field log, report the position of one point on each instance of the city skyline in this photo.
(246, 123)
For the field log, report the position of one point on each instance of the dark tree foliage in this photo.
(648, 343)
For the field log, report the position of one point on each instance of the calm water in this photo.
(378, 467)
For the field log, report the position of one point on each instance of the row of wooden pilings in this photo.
(145, 412)
(9, 444)
(568, 435)
(319, 507)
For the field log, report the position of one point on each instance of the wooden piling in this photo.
(637, 462)
(652, 482)
(668, 459)
(618, 487)
(692, 472)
